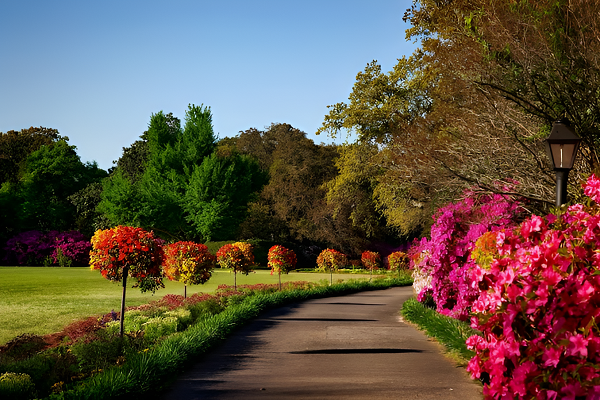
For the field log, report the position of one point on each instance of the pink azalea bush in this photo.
(74, 246)
(442, 265)
(538, 306)
(38, 248)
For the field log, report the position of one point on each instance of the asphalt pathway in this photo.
(347, 347)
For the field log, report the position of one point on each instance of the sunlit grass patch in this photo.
(43, 300)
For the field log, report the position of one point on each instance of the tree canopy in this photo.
(174, 182)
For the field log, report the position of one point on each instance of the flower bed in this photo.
(538, 306)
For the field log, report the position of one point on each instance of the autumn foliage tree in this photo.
(482, 91)
(127, 251)
(188, 262)
(238, 257)
(281, 260)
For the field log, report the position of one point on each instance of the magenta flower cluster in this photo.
(539, 306)
(445, 258)
(38, 248)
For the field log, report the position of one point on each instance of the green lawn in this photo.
(43, 300)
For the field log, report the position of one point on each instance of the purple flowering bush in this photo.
(442, 265)
(38, 248)
(73, 245)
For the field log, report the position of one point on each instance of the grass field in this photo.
(43, 300)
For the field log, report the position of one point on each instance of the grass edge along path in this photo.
(152, 370)
(450, 332)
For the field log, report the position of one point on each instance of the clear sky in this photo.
(97, 70)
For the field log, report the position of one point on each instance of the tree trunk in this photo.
(280, 281)
(125, 273)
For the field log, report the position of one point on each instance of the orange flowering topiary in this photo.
(281, 259)
(371, 260)
(237, 256)
(331, 260)
(188, 262)
(398, 260)
(125, 250)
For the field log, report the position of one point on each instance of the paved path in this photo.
(348, 347)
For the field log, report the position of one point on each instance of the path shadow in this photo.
(357, 351)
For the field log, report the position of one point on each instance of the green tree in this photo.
(132, 163)
(87, 219)
(50, 175)
(16, 146)
(353, 186)
(219, 192)
(292, 204)
(186, 188)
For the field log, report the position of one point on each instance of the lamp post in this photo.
(562, 146)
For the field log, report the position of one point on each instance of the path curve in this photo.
(346, 347)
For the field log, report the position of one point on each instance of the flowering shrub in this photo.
(28, 248)
(398, 260)
(131, 250)
(445, 257)
(247, 251)
(238, 258)
(281, 259)
(371, 260)
(37, 248)
(74, 246)
(538, 306)
(330, 260)
(187, 262)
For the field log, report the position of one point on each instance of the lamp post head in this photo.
(562, 146)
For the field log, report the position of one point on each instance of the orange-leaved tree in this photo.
(127, 251)
(237, 256)
(188, 262)
(281, 260)
(331, 260)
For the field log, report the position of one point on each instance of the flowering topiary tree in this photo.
(281, 260)
(398, 261)
(371, 260)
(446, 256)
(237, 256)
(188, 262)
(127, 251)
(539, 306)
(331, 260)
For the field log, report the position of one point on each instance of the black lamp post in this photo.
(562, 146)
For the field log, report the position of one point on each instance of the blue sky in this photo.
(96, 71)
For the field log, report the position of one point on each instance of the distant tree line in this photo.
(182, 182)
